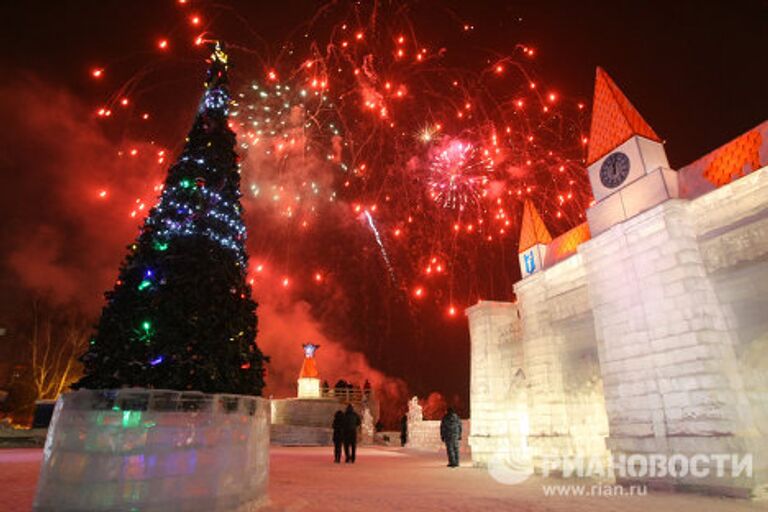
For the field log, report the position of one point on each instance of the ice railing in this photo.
(350, 395)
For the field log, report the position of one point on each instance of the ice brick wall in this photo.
(566, 408)
(497, 389)
(298, 435)
(671, 375)
(307, 412)
(656, 331)
(424, 435)
(732, 229)
(155, 450)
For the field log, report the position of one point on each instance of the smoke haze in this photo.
(78, 199)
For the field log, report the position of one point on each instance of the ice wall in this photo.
(566, 405)
(498, 394)
(424, 436)
(155, 450)
(651, 339)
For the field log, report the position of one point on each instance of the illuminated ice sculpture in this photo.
(155, 450)
(641, 332)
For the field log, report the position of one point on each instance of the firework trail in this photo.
(383, 250)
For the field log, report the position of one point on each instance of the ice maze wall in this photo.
(155, 450)
(652, 338)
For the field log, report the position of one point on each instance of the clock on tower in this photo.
(614, 170)
(628, 168)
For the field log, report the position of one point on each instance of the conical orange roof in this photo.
(614, 119)
(533, 230)
(309, 369)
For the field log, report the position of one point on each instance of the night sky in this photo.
(695, 70)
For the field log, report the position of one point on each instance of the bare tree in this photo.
(56, 342)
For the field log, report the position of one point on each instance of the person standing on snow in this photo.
(338, 435)
(351, 425)
(450, 434)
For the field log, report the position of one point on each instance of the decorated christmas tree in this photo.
(181, 315)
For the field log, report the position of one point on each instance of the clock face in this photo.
(614, 170)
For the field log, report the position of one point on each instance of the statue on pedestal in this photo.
(367, 427)
(415, 412)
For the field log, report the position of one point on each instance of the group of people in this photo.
(346, 424)
(342, 384)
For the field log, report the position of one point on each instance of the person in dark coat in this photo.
(403, 430)
(351, 425)
(338, 435)
(450, 434)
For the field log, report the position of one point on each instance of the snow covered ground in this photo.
(392, 479)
